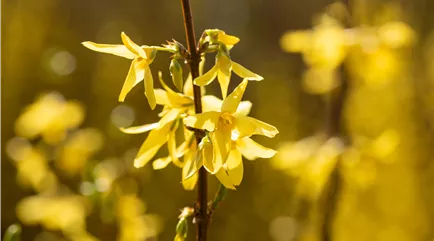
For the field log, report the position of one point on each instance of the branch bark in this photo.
(201, 217)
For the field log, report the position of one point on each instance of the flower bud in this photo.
(176, 73)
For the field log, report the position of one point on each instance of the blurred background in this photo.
(349, 86)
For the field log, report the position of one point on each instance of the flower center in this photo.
(226, 119)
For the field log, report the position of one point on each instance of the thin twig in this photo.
(202, 186)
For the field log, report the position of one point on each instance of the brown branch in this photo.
(201, 218)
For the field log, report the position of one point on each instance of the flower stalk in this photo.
(201, 218)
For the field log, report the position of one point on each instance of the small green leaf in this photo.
(176, 73)
(13, 233)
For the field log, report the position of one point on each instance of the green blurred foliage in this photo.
(69, 173)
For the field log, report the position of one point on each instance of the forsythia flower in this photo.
(142, 57)
(176, 106)
(228, 137)
(217, 36)
(224, 65)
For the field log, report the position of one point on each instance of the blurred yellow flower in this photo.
(63, 213)
(77, 150)
(49, 116)
(142, 57)
(134, 224)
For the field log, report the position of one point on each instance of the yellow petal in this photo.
(221, 141)
(224, 72)
(176, 99)
(224, 63)
(161, 97)
(244, 108)
(201, 65)
(211, 103)
(152, 144)
(252, 150)
(188, 183)
(234, 165)
(227, 39)
(134, 76)
(169, 117)
(263, 128)
(205, 121)
(208, 157)
(139, 129)
(243, 127)
(171, 146)
(133, 47)
(223, 82)
(230, 104)
(161, 163)
(245, 73)
(115, 49)
(149, 88)
(188, 86)
(223, 177)
(207, 78)
(193, 165)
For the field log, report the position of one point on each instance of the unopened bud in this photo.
(176, 73)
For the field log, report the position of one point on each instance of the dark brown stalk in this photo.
(201, 217)
(334, 128)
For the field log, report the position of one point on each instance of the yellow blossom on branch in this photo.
(227, 130)
(142, 57)
(223, 64)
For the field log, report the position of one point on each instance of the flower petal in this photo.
(194, 163)
(139, 129)
(176, 99)
(149, 87)
(245, 73)
(211, 103)
(230, 104)
(243, 127)
(152, 144)
(244, 108)
(227, 39)
(115, 49)
(224, 72)
(223, 177)
(208, 157)
(169, 117)
(161, 97)
(161, 163)
(207, 78)
(133, 47)
(221, 141)
(205, 121)
(134, 76)
(263, 128)
(171, 146)
(188, 183)
(188, 86)
(235, 166)
(252, 150)
(224, 82)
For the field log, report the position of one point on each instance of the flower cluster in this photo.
(227, 128)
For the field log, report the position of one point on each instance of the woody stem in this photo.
(193, 62)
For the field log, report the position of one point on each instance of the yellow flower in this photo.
(217, 36)
(231, 174)
(226, 127)
(142, 57)
(224, 66)
(176, 105)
